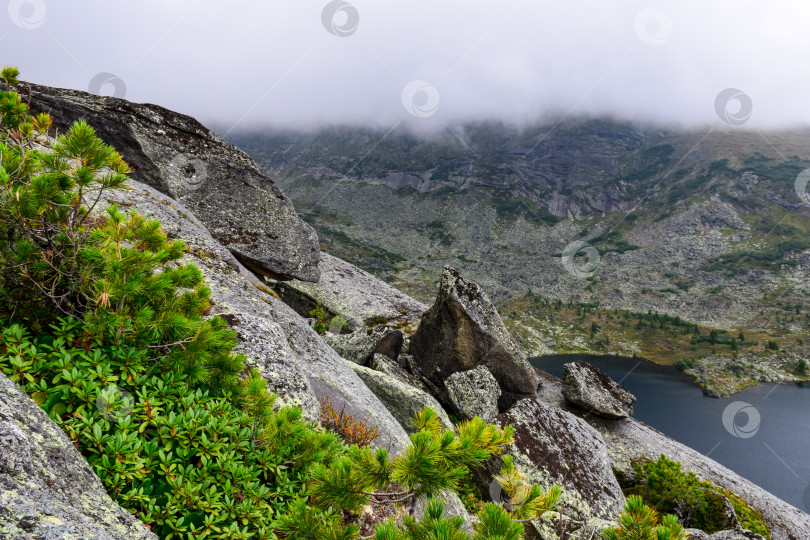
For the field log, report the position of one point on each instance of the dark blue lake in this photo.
(772, 442)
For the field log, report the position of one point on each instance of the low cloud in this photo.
(306, 63)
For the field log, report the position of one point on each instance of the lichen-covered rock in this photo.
(298, 365)
(735, 535)
(473, 393)
(382, 363)
(363, 343)
(463, 330)
(47, 489)
(590, 389)
(352, 293)
(553, 446)
(629, 439)
(695, 534)
(241, 206)
(401, 399)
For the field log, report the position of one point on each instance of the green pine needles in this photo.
(103, 325)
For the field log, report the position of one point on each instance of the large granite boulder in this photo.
(298, 365)
(553, 446)
(401, 399)
(463, 330)
(47, 489)
(352, 293)
(241, 207)
(473, 393)
(590, 389)
(360, 345)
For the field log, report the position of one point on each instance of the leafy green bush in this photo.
(181, 459)
(664, 485)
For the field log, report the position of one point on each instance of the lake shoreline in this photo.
(670, 402)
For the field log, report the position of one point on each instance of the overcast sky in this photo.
(236, 63)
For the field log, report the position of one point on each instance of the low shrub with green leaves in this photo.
(103, 326)
(187, 462)
(665, 486)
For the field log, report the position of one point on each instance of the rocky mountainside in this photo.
(709, 226)
(381, 361)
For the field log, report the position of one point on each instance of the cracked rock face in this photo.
(463, 330)
(47, 489)
(241, 206)
(590, 389)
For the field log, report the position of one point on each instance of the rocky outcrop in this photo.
(473, 393)
(463, 330)
(241, 206)
(628, 439)
(590, 389)
(47, 489)
(352, 293)
(401, 399)
(553, 446)
(298, 365)
(363, 343)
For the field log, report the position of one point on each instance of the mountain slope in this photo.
(704, 225)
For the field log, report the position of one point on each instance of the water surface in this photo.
(773, 452)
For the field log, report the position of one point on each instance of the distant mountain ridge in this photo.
(704, 225)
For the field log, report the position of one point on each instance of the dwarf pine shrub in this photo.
(103, 326)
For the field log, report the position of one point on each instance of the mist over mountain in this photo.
(707, 225)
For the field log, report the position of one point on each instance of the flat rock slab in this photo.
(47, 489)
(401, 399)
(590, 389)
(241, 206)
(463, 330)
(365, 342)
(354, 294)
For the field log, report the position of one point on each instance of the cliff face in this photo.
(240, 205)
